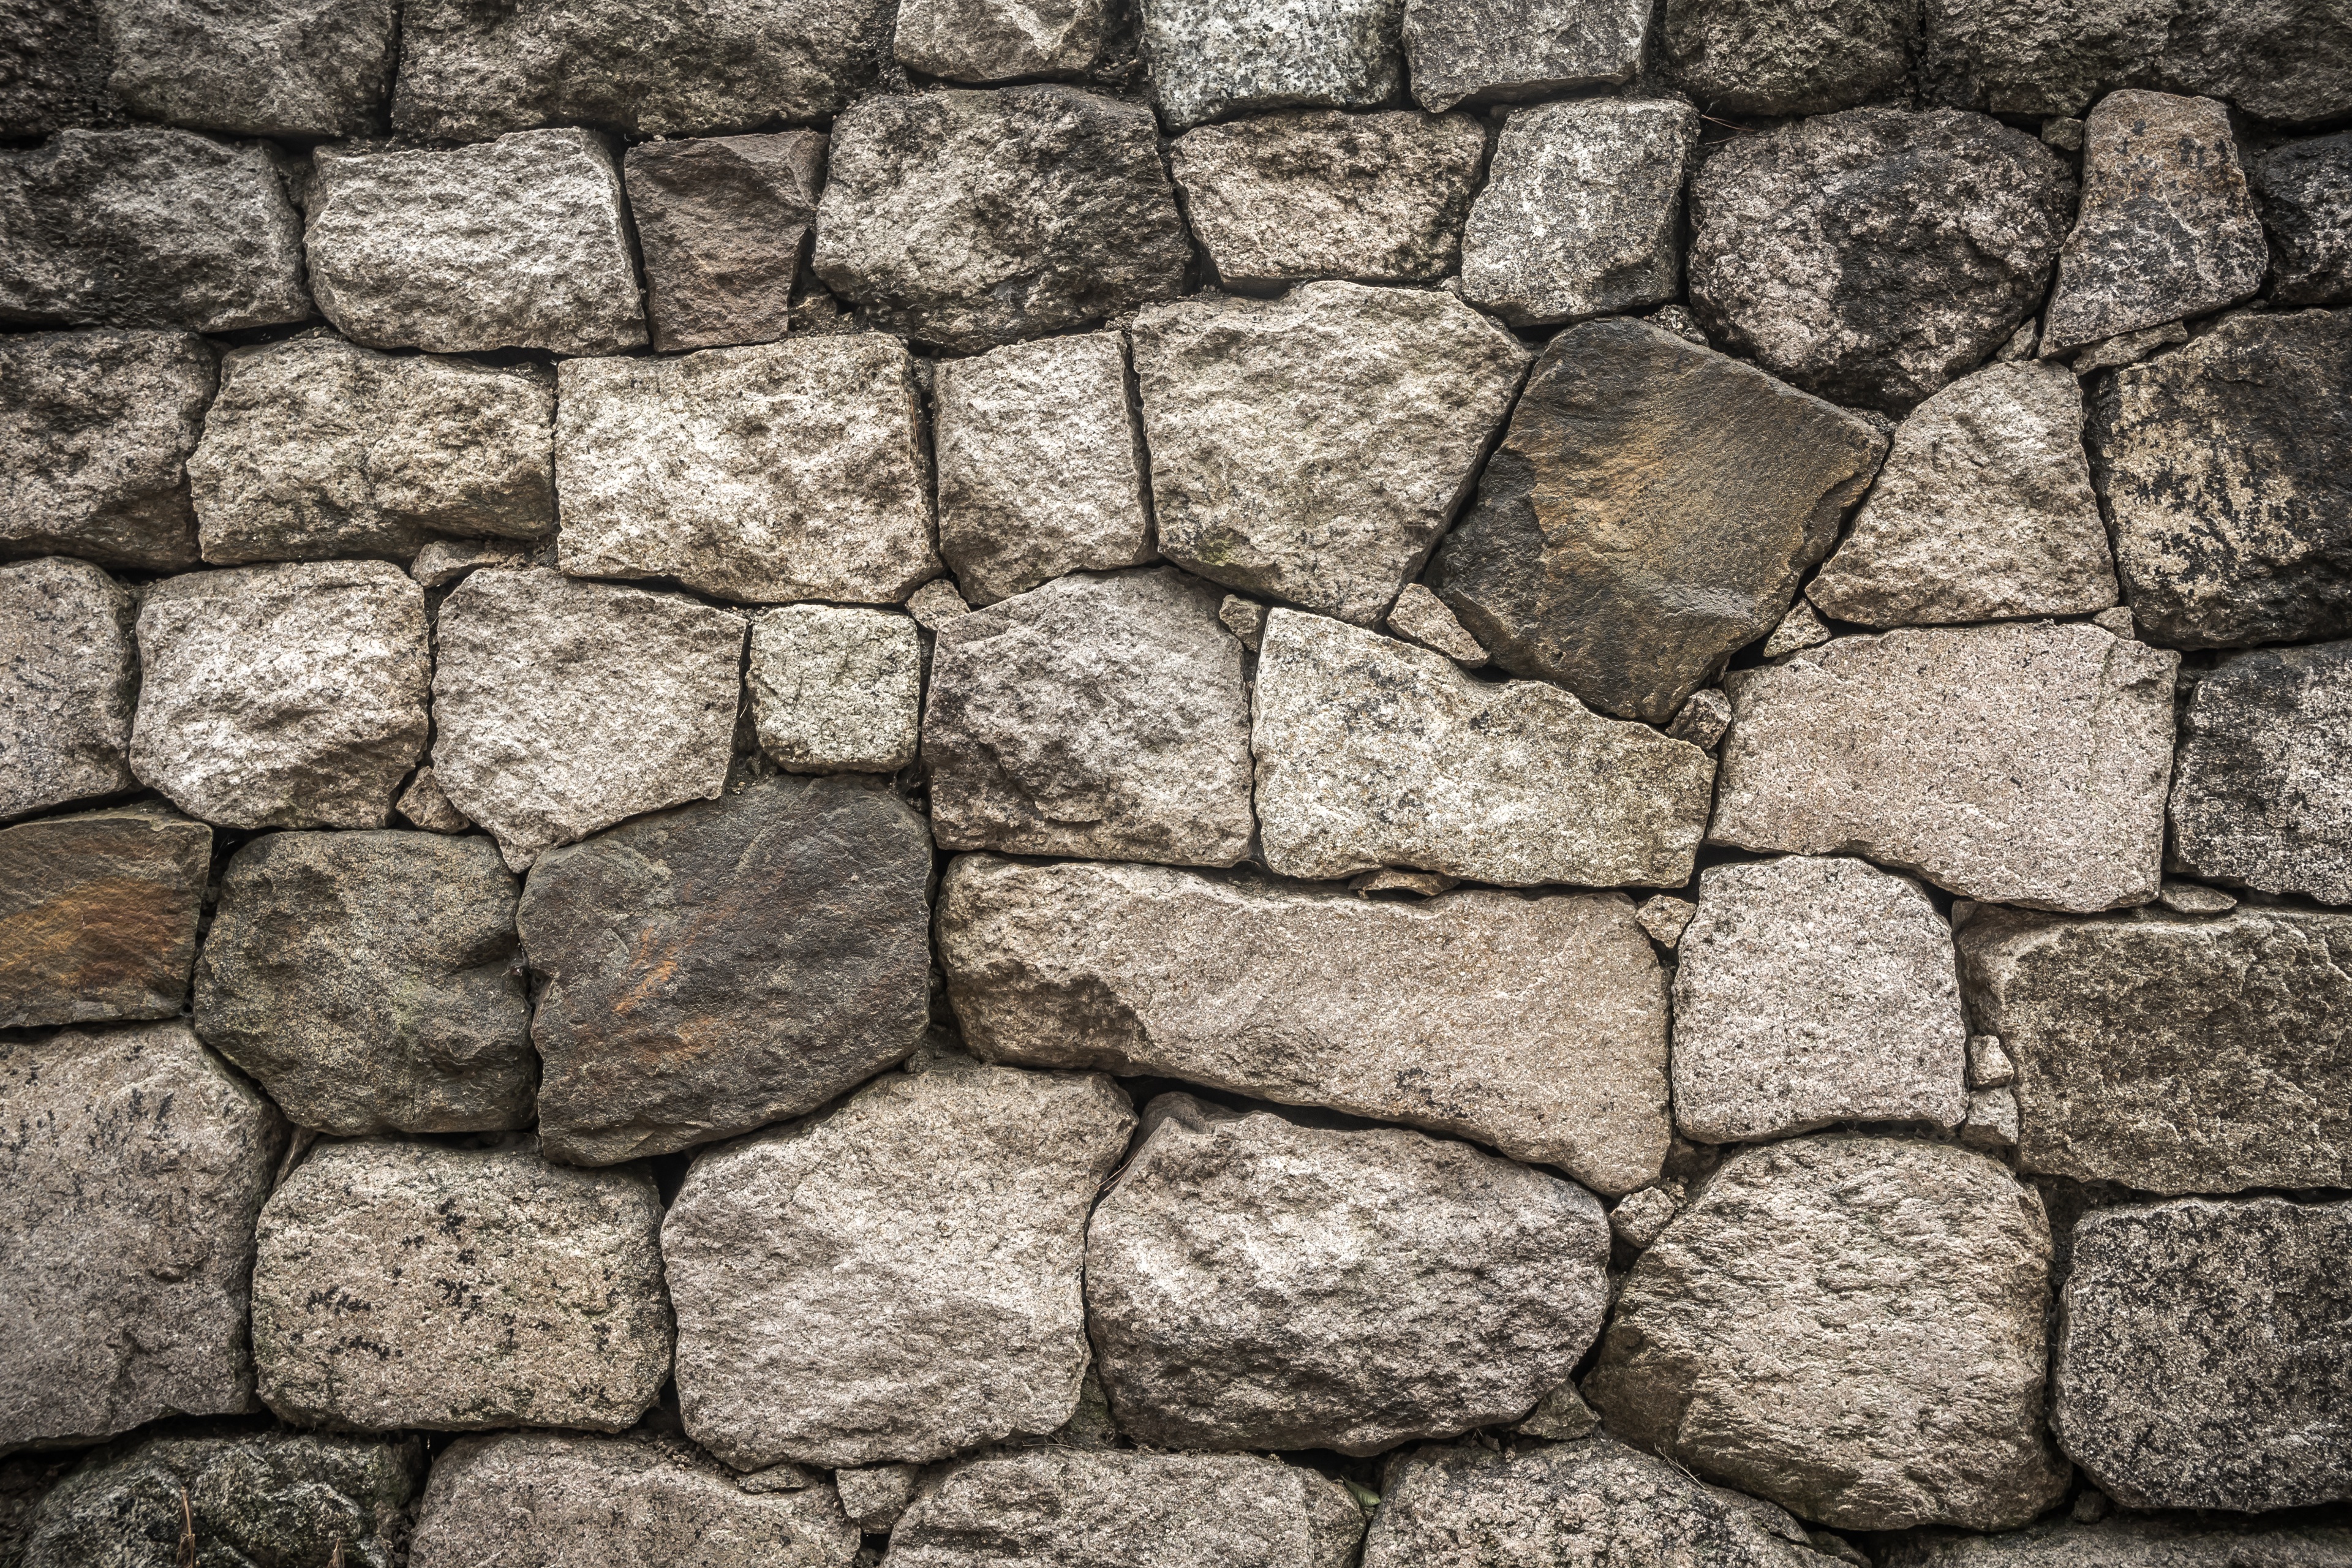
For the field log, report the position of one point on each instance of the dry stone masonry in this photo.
(1212, 783)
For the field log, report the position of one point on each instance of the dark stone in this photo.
(1790, 57)
(98, 915)
(1485, 51)
(2131, 1541)
(2261, 796)
(2304, 190)
(53, 72)
(306, 68)
(722, 222)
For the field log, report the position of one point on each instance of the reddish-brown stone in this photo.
(98, 915)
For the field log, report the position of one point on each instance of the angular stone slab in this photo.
(984, 41)
(791, 470)
(1650, 511)
(2203, 1359)
(98, 915)
(401, 1284)
(2260, 794)
(1213, 58)
(1774, 57)
(1536, 1025)
(69, 673)
(1313, 447)
(1476, 51)
(521, 242)
(2305, 193)
(836, 689)
(2130, 1540)
(2020, 763)
(969, 219)
(1851, 1327)
(135, 1164)
(2173, 1055)
(722, 222)
(946, 1207)
(314, 70)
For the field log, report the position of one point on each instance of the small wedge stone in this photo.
(1642, 1217)
(1799, 629)
(1992, 1123)
(1212, 58)
(2127, 348)
(422, 804)
(723, 221)
(1989, 1063)
(1559, 1416)
(1245, 618)
(1478, 51)
(1665, 919)
(2258, 795)
(1701, 720)
(1420, 617)
(442, 561)
(98, 915)
(875, 1497)
(2305, 191)
(69, 673)
(935, 604)
(2195, 899)
(309, 69)
(836, 689)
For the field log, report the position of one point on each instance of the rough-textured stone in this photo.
(1287, 197)
(56, 68)
(1480, 51)
(896, 1280)
(1665, 918)
(2260, 796)
(835, 689)
(2306, 191)
(1638, 1221)
(67, 674)
(1650, 511)
(561, 707)
(98, 915)
(875, 1496)
(2228, 470)
(1989, 1063)
(1799, 629)
(1313, 447)
(422, 804)
(95, 432)
(2110, 354)
(2023, 763)
(1102, 716)
(2173, 1055)
(723, 221)
(2168, 228)
(1789, 57)
(1582, 214)
(363, 979)
(308, 68)
(1210, 59)
(1420, 617)
(1374, 752)
(148, 228)
(791, 470)
(402, 1284)
(134, 1165)
(1873, 256)
(970, 220)
(2133, 1543)
(935, 604)
(521, 242)
(1005, 40)
(442, 561)
(1040, 465)
(1703, 719)
(287, 695)
(1053, 1507)
(318, 449)
(2205, 1359)
(1983, 511)
(1255, 1283)
(1535, 1025)
(547, 1499)
(1993, 1120)
(1851, 1327)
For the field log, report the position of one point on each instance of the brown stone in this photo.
(722, 222)
(98, 915)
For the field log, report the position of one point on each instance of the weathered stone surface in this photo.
(442, 562)
(521, 242)
(1703, 719)
(548, 1499)
(1212, 58)
(98, 915)
(1665, 918)
(1993, 1120)
(1873, 256)
(791, 470)
(2110, 354)
(1639, 1221)
(1284, 198)
(1420, 617)
(2168, 228)
(363, 979)
(1989, 1063)
(147, 227)
(897, 1279)
(67, 675)
(875, 1496)
(1374, 752)
(311, 68)
(401, 1284)
(2260, 796)
(1102, 716)
(969, 219)
(1799, 629)
(422, 804)
(561, 707)
(1650, 511)
(1785, 57)
(1005, 40)
(2227, 468)
(1040, 464)
(2306, 191)
(935, 604)
(58, 64)
(1812, 991)
(2204, 1360)
(1582, 214)
(317, 447)
(468, 72)
(1983, 511)
(2131, 1541)
(1851, 1327)
(2173, 1055)
(1313, 447)
(1479, 51)
(1056, 1508)
(1535, 1025)
(134, 1165)
(723, 221)
(95, 432)
(2023, 764)
(835, 689)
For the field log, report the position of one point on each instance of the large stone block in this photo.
(98, 915)
(1212, 58)
(2133, 1541)
(59, 60)
(2260, 794)
(723, 221)
(836, 689)
(300, 68)
(67, 676)
(1789, 57)
(2305, 191)
(1482, 51)
(982, 41)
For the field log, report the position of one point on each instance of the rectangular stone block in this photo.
(722, 222)
(69, 674)
(307, 69)
(836, 689)
(98, 915)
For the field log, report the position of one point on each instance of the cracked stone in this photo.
(835, 689)
(1213, 58)
(722, 222)
(2306, 191)
(2259, 795)
(312, 69)
(98, 915)
(69, 676)
(1786, 57)
(1483, 51)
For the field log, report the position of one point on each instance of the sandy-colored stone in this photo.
(1989, 1066)
(98, 915)
(1420, 617)
(440, 563)
(1213, 58)
(875, 1496)
(422, 804)
(300, 68)
(1703, 719)
(67, 675)
(2133, 1542)
(2260, 797)
(1665, 918)
(1799, 629)
(722, 222)
(2305, 193)
(982, 41)
(1483, 51)
(1790, 57)
(935, 604)
(836, 689)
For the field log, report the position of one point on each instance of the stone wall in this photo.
(1507, 785)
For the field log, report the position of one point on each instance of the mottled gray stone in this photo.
(2260, 794)
(2195, 899)
(300, 68)
(98, 915)
(1005, 41)
(1873, 256)
(1989, 1063)
(147, 227)
(1665, 918)
(400, 1284)
(875, 1496)
(1993, 1120)
(1256, 1283)
(317, 447)
(1535, 1025)
(1212, 58)
(969, 219)
(58, 63)
(1420, 617)
(521, 242)
(1314, 448)
(1799, 629)
(67, 677)
(2305, 193)
(1789, 57)
(1481, 51)
(835, 689)
(1102, 716)
(134, 1165)
(1560, 1416)
(1703, 719)
(422, 804)
(1642, 1217)
(287, 695)
(440, 563)
(2130, 348)
(2131, 1541)
(898, 1279)
(1851, 1327)
(561, 707)
(935, 604)
(1245, 618)
(1374, 752)
(722, 222)
(2022, 763)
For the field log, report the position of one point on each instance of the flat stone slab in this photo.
(2304, 190)
(1478, 51)
(2260, 797)
(722, 222)
(1769, 57)
(836, 689)
(1213, 58)
(305, 71)
(988, 40)
(2130, 1540)
(69, 673)
(98, 915)
(1535, 1025)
